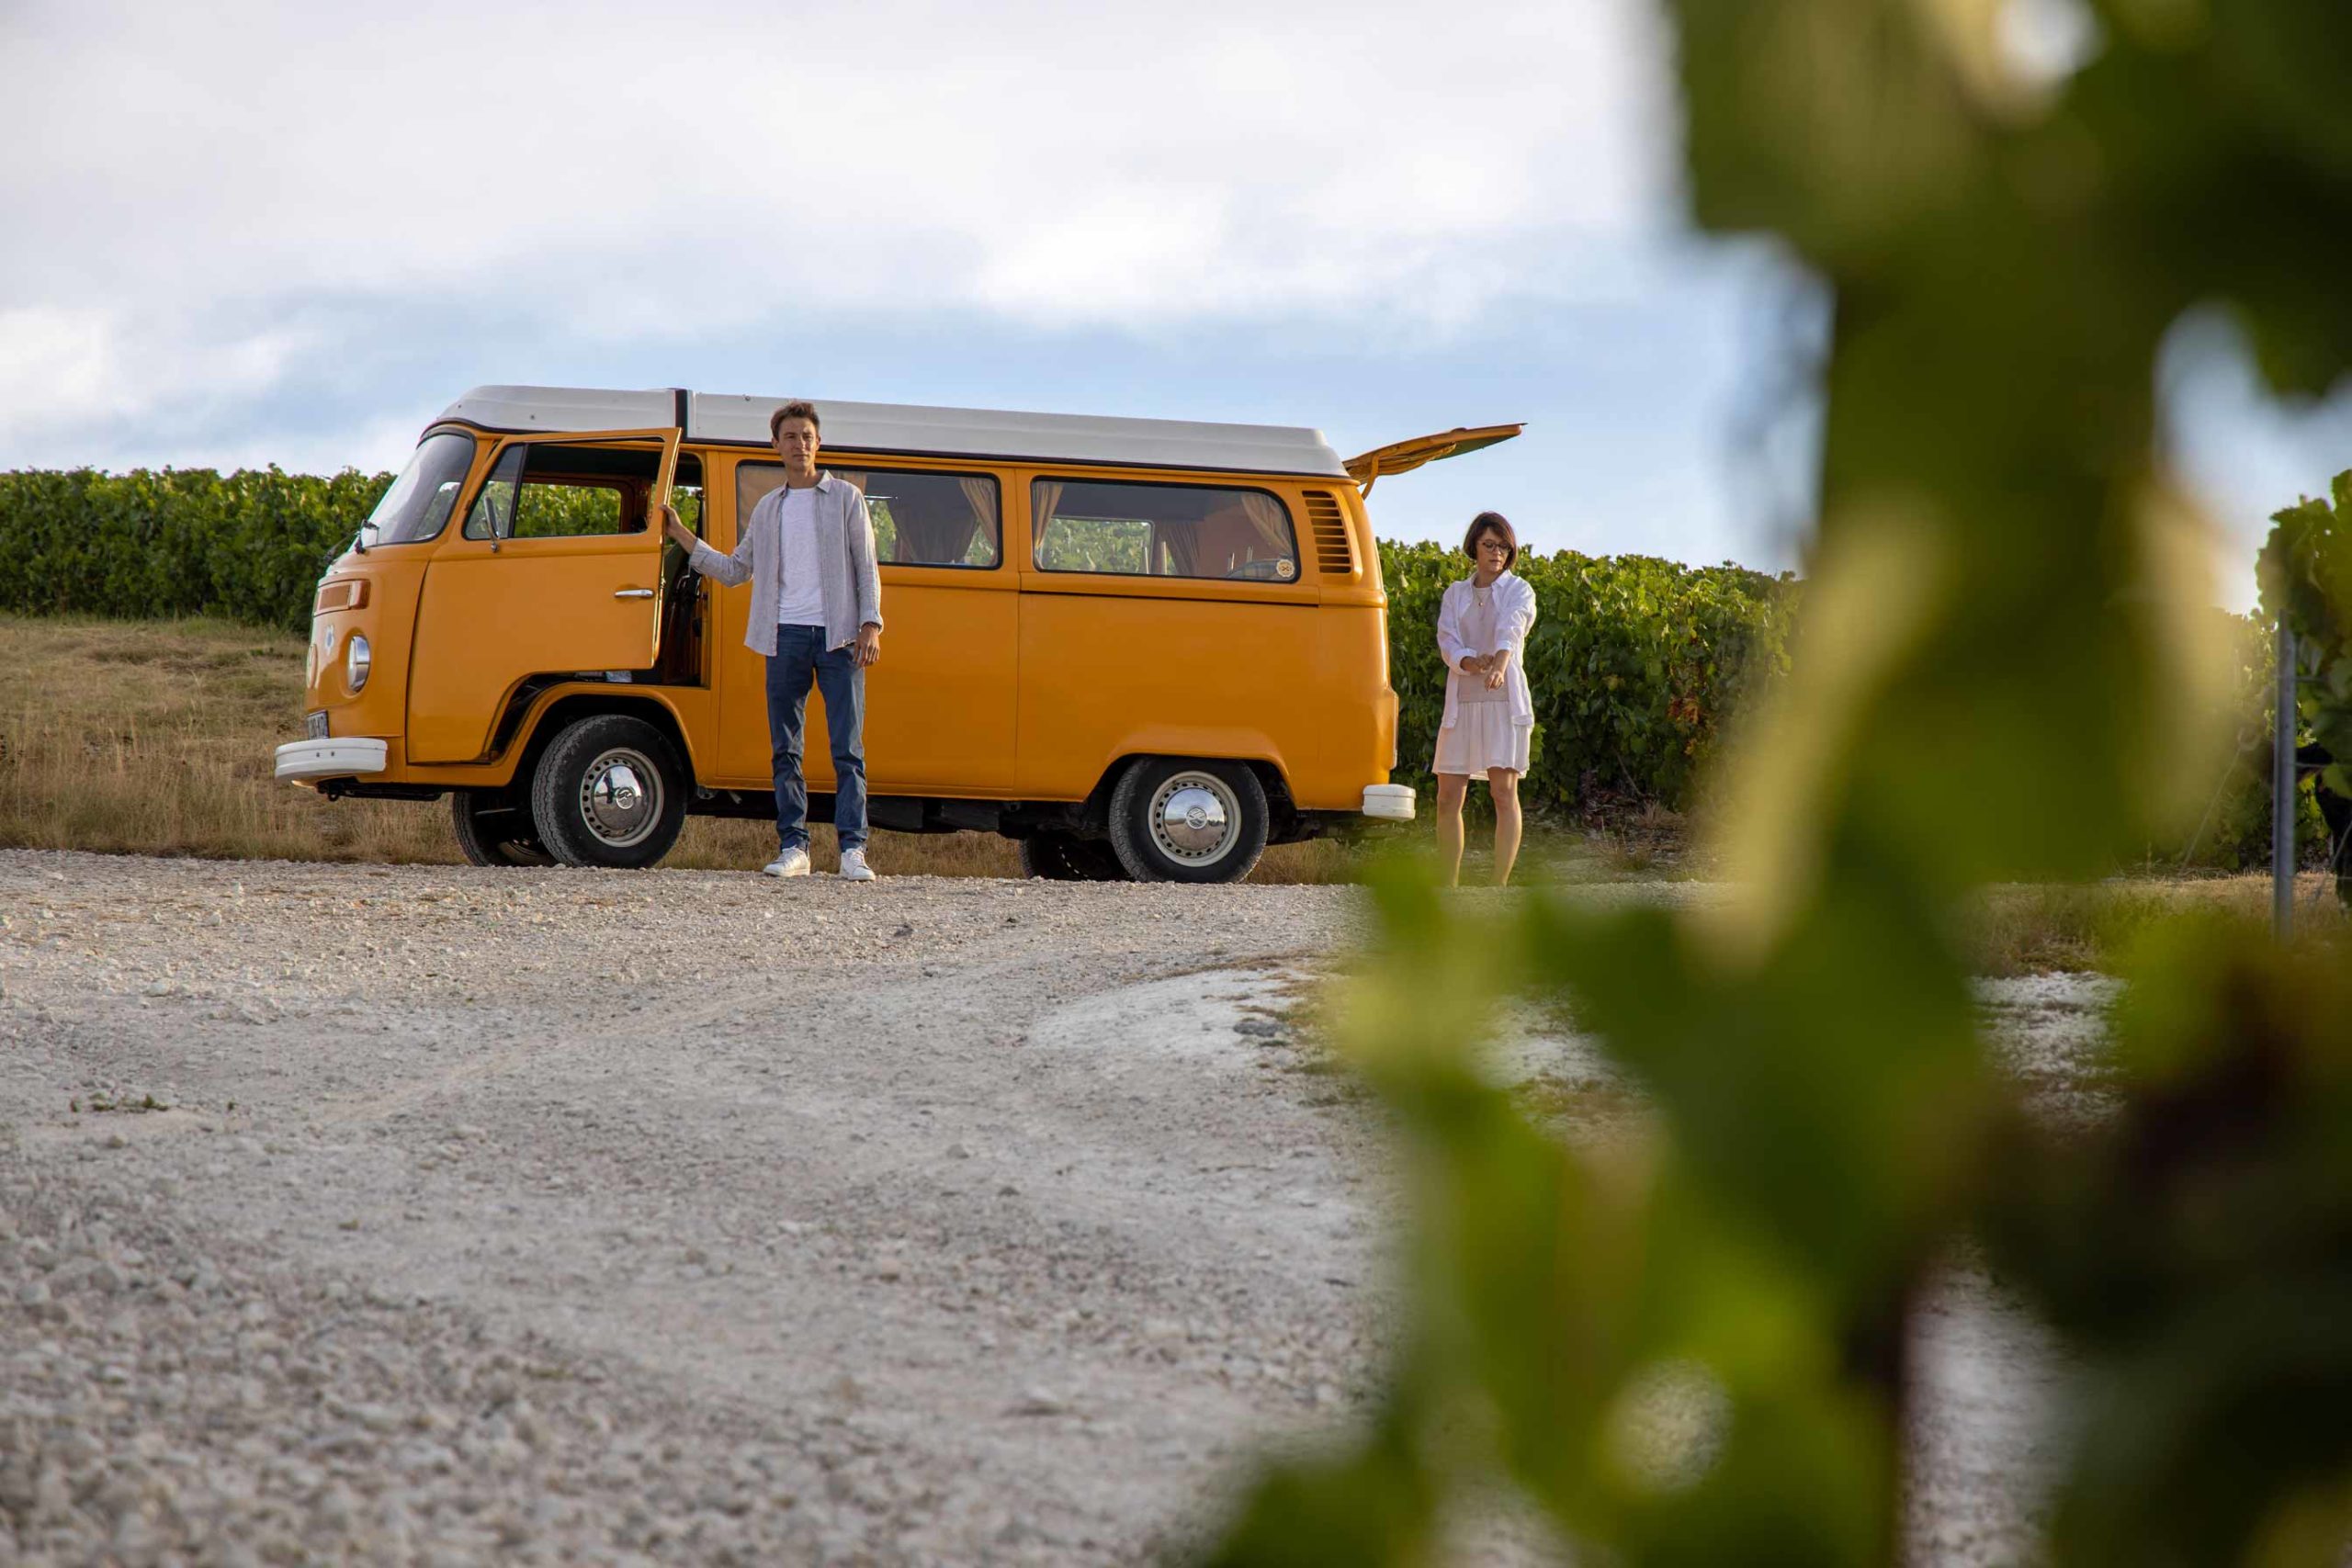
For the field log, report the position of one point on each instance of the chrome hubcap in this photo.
(1195, 820)
(620, 798)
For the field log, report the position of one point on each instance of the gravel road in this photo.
(578, 1216)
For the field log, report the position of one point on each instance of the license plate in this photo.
(314, 724)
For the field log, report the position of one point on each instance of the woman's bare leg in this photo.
(1450, 788)
(1504, 783)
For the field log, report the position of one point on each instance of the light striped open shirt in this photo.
(846, 570)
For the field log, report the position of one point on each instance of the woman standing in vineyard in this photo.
(1482, 626)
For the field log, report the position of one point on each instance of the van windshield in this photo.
(421, 500)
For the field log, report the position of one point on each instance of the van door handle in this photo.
(632, 593)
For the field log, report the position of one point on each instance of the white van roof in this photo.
(912, 430)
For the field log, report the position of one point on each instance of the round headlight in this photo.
(355, 663)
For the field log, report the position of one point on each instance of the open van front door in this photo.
(556, 571)
(1402, 456)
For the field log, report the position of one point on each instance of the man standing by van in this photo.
(817, 615)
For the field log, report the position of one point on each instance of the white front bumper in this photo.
(303, 761)
(1392, 803)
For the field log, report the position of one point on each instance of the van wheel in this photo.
(494, 828)
(1097, 861)
(610, 791)
(1175, 820)
(1058, 856)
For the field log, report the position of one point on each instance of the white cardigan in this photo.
(1514, 614)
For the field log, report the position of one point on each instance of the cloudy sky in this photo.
(243, 233)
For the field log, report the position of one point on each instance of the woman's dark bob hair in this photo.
(1497, 524)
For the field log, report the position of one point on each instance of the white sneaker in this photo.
(853, 866)
(791, 863)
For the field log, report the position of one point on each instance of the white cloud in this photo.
(2244, 452)
(1058, 163)
(251, 231)
(64, 368)
(54, 363)
(209, 206)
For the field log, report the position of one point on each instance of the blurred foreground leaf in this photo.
(2198, 1250)
(1691, 1343)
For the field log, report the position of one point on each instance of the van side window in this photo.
(921, 518)
(544, 491)
(494, 513)
(1155, 530)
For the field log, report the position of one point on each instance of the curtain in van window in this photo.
(1044, 496)
(882, 540)
(1182, 541)
(981, 496)
(934, 529)
(928, 519)
(1273, 526)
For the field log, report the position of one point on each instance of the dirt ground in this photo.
(439, 1214)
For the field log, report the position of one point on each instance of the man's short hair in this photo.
(1492, 522)
(795, 409)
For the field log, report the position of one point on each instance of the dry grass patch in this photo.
(157, 738)
(1579, 1101)
(720, 843)
(2033, 929)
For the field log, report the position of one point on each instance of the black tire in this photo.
(494, 828)
(1059, 856)
(1046, 854)
(1181, 819)
(1097, 861)
(591, 813)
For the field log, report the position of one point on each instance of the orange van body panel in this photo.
(394, 577)
(996, 683)
(1105, 676)
(689, 710)
(1116, 666)
(478, 637)
(387, 618)
(939, 707)
(497, 612)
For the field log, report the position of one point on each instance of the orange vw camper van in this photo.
(1144, 649)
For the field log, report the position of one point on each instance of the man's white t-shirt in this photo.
(800, 598)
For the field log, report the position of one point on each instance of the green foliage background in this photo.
(249, 545)
(1635, 664)
(1092, 544)
(2306, 574)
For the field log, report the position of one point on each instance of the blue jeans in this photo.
(800, 655)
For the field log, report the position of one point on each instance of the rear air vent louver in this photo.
(1332, 555)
